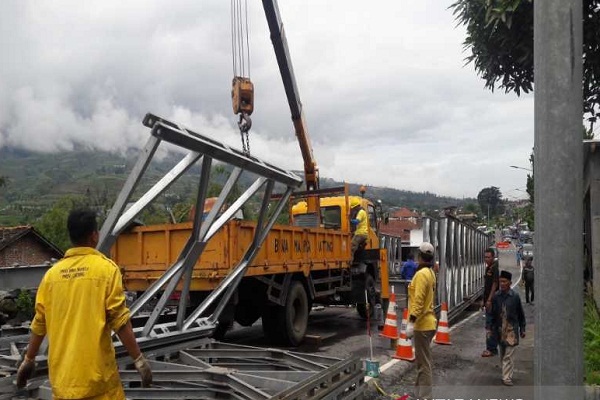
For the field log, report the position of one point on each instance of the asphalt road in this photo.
(459, 370)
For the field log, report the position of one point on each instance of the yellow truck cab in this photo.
(335, 214)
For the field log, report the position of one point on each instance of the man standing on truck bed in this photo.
(79, 302)
(359, 224)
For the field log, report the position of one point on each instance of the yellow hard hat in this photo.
(354, 201)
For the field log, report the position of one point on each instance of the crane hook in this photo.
(245, 123)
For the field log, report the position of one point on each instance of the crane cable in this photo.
(242, 91)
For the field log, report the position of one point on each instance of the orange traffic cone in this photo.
(442, 336)
(404, 351)
(390, 329)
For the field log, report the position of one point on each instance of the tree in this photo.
(490, 202)
(3, 181)
(53, 224)
(471, 208)
(500, 37)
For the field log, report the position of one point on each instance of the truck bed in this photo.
(145, 252)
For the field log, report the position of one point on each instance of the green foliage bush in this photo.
(26, 304)
(591, 342)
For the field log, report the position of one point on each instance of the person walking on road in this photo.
(490, 286)
(527, 278)
(78, 303)
(507, 320)
(408, 268)
(422, 322)
(359, 226)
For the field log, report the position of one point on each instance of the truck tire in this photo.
(287, 325)
(221, 330)
(269, 323)
(293, 317)
(247, 314)
(225, 322)
(361, 307)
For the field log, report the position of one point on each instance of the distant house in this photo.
(399, 228)
(23, 245)
(469, 218)
(404, 214)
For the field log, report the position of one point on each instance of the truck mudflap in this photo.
(210, 369)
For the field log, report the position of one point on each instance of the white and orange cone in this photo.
(390, 328)
(404, 350)
(442, 336)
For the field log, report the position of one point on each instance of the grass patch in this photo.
(591, 342)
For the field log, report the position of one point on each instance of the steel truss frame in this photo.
(199, 147)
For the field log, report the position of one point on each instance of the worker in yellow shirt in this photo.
(359, 223)
(422, 322)
(79, 302)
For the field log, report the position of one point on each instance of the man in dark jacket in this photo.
(507, 320)
(490, 287)
(527, 277)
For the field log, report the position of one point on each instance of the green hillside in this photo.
(36, 181)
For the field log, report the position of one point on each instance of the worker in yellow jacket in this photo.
(422, 322)
(359, 222)
(79, 302)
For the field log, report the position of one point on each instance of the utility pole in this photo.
(558, 168)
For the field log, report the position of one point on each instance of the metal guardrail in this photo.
(393, 246)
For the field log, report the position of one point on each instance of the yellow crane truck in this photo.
(295, 268)
(305, 262)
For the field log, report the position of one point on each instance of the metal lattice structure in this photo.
(459, 250)
(199, 323)
(214, 370)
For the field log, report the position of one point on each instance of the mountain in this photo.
(35, 181)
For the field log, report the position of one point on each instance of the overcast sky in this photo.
(387, 98)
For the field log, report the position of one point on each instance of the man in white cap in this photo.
(422, 322)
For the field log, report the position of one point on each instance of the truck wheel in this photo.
(247, 314)
(225, 322)
(269, 323)
(293, 317)
(221, 330)
(361, 307)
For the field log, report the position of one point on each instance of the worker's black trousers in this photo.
(528, 289)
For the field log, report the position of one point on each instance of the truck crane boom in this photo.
(311, 171)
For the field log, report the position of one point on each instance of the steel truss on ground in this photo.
(214, 370)
(206, 369)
